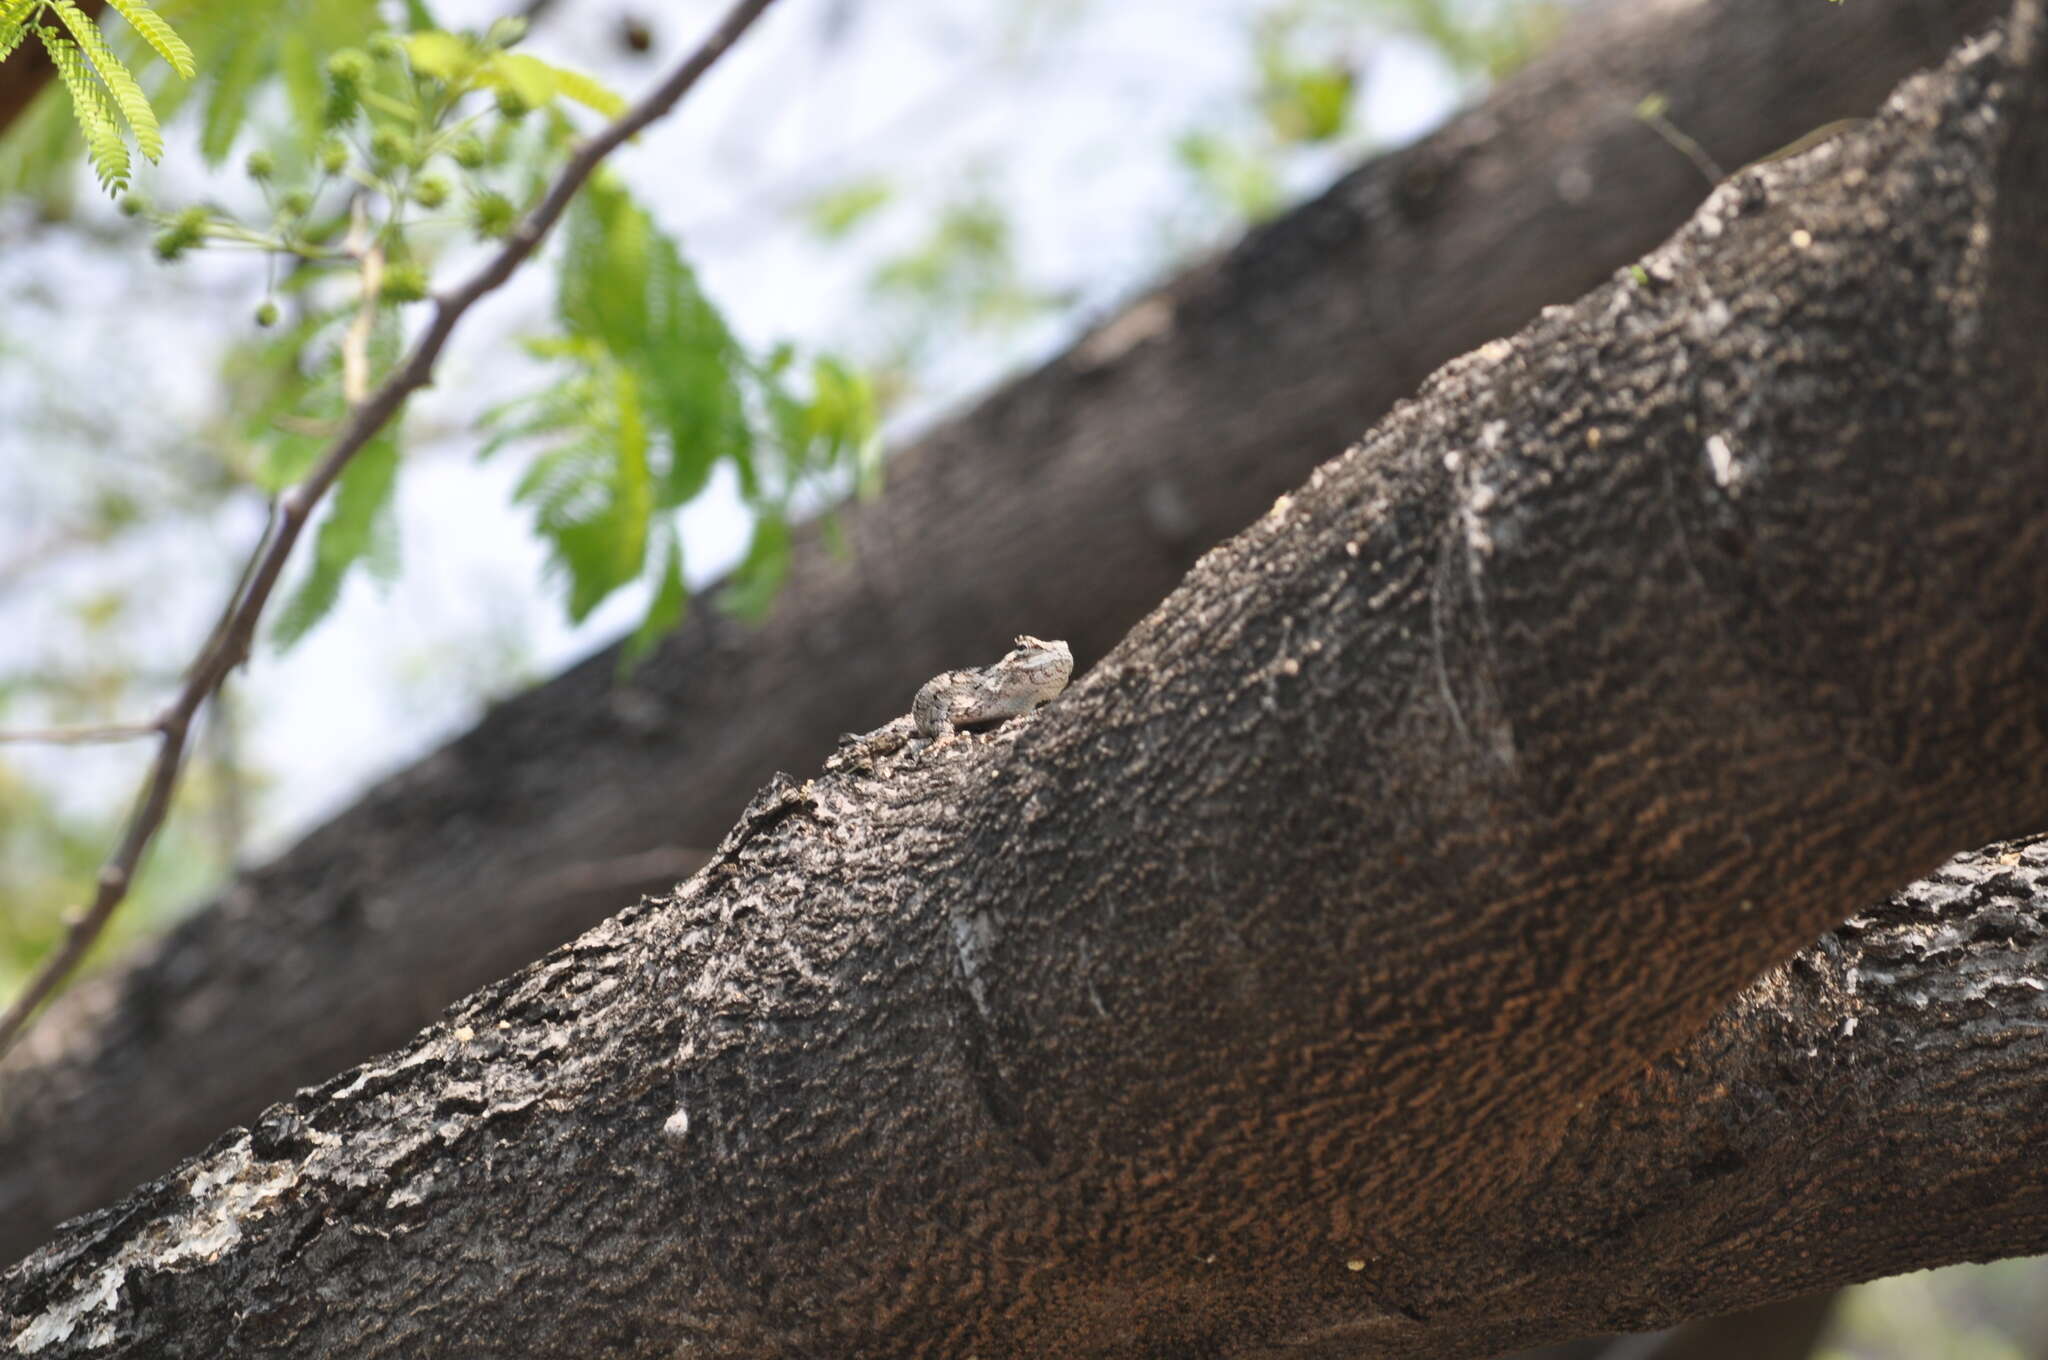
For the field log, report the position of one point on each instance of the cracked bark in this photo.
(1297, 983)
(1067, 504)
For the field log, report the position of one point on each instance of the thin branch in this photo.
(229, 644)
(1651, 113)
(355, 346)
(80, 736)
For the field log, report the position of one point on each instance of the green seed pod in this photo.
(349, 66)
(346, 72)
(404, 281)
(390, 147)
(430, 192)
(266, 313)
(491, 214)
(261, 165)
(333, 155)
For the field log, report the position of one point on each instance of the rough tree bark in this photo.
(1067, 504)
(1288, 987)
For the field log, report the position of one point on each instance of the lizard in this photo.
(1031, 675)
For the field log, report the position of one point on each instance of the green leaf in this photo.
(120, 82)
(837, 211)
(664, 610)
(693, 365)
(418, 17)
(351, 531)
(158, 34)
(236, 71)
(750, 592)
(535, 83)
(593, 498)
(103, 142)
(602, 291)
(529, 78)
(590, 93)
(447, 57)
(13, 33)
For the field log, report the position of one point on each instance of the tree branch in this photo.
(1225, 1006)
(79, 736)
(1067, 504)
(229, 646)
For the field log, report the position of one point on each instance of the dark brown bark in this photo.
(1297, 983)
(1066, 504)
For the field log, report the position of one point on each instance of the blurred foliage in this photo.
(653, 393)
(1971, 1312)
(1309, 59)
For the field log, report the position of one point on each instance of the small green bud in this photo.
(512, 106)
(134, 204)
(333, 155)
(346, 72)
(469, 152)
(349, 66)
(431, 191)
(260, 165)
(384, 47)
(491, 214)
(389, 147)
(505, 32)
(266, 313)
(186, 230)
(296, 203)
(404, 281)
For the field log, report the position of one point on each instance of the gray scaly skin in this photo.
(1030, 676)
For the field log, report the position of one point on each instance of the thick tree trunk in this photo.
(1288, 987)
(1066, 504)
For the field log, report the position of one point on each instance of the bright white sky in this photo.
(1067, 109)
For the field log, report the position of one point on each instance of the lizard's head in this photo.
(1039, 655)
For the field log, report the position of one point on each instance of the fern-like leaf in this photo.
(157, 34)
(103, 142)
(13, 33)
(664, 610)
(118, 79)
(359, 527)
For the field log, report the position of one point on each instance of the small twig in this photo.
(355, 345)
(80, 736)
(229, 643)
(1651, 112)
